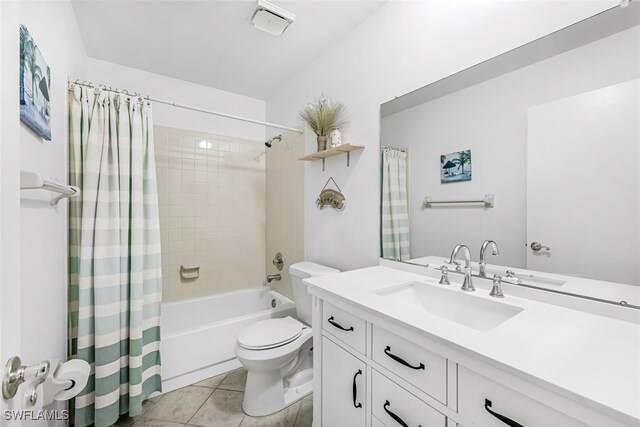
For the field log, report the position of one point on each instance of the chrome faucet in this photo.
(467, 285)
(272, 277)
(483, 255)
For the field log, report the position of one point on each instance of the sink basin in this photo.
(462, 308)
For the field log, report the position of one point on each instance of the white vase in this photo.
(335, 136)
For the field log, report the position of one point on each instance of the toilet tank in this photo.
(298, 272)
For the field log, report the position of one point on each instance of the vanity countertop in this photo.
(592, 359)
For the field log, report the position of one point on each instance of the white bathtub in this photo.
(199, 335)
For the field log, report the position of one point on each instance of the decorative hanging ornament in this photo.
(329, 197)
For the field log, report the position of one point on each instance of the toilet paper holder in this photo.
(16, 373)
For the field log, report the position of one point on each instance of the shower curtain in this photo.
(394, 205)
(115, 287)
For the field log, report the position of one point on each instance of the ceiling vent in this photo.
(271, 18)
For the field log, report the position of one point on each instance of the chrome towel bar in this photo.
(488, 201)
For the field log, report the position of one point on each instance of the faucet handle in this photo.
(496, 290)
(444, 279)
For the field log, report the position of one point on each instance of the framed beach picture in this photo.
(455, 167)
(35, 85)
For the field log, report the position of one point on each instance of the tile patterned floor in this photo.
(215, 402)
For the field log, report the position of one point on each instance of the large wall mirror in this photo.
(537, 149)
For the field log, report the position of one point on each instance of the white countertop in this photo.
(594, 358)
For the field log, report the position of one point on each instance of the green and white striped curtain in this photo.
(115, 277)
(394, 206)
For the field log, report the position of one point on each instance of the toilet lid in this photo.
(270, 333)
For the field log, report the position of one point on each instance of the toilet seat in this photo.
(270, 333)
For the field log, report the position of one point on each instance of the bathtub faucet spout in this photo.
(272, 277)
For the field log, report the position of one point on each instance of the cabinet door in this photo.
(343, 387)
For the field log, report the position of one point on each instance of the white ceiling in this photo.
(213, 43)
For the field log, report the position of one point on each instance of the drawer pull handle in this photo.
(337, 325)
(507, 421)
(400, 360)
(355, 390)
(394, 416)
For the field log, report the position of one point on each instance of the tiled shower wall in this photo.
(211, 192)
(285, 206)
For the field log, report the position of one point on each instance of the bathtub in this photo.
(198, 335)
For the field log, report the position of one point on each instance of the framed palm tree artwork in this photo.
(35, 85)
(455, 167)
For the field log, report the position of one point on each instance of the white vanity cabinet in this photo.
(367, 375)
(354, 390)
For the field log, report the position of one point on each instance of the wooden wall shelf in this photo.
(330, 152)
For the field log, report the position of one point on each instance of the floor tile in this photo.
(180, 405)
(212, 382)
(148, 404)
(235, 380)
(222, 409)
(124, 421)
(305, 414)
(148, 422)
(284, 418)
(154, 399)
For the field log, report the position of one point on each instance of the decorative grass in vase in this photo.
(322, 116)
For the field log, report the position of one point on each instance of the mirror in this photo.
(537, 149)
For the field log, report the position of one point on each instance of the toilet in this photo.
(277, 353)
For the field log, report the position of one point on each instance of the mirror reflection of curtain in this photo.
(394, 205)
(114, 254)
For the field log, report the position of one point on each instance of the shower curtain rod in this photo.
(189, 107)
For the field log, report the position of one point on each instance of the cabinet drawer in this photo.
(479, 396)
(345, 326)
(394, 405)
(414, 364)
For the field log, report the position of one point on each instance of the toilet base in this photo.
(266, 394)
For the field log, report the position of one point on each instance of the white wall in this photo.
(34, 233)
(403, 46)
(43, 228)
(183, 92)
(491, 119)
